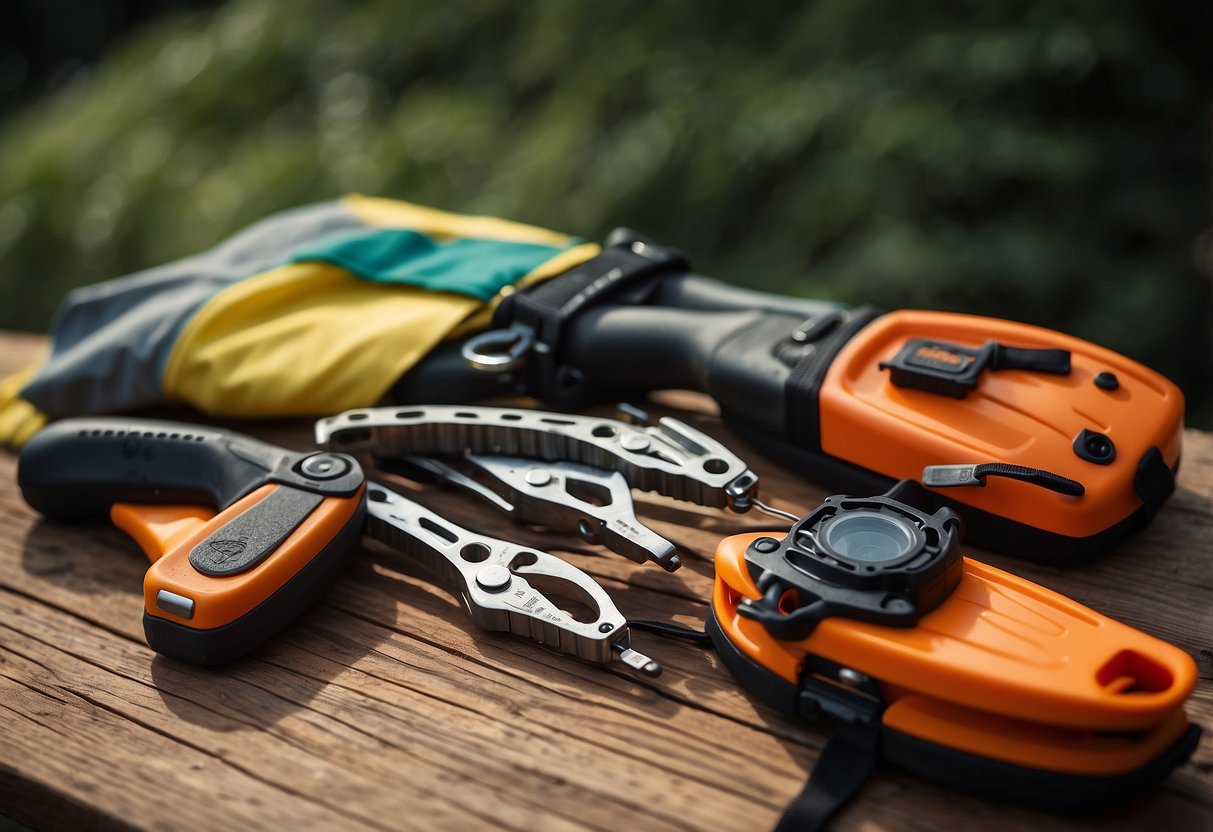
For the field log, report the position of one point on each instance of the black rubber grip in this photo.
(78, 468)
(254, 534)
(668, 340)
(706, 294)
(650, 347)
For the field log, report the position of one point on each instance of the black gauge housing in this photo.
(874, 559)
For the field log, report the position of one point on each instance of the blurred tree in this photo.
(43, 43)
(1038, 160)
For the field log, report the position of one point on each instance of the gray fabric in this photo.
(110, 341)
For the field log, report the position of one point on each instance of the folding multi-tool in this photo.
(568, 472)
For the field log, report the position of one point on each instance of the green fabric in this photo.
(477, 268)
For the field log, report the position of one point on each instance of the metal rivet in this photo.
(538, 477)
(324, 467)
(635, 442)
(493, 578)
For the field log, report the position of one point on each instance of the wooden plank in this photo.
(382, 708)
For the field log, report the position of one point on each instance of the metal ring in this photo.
(500, 349)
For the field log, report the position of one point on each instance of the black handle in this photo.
(78, 468)
(741, 358)
(707, 294)
(619, 348)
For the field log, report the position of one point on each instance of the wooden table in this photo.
(381, 708)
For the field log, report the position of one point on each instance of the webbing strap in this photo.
(846, 761)
(548, 308)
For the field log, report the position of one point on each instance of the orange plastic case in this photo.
(1006, 688)
(1012, 416)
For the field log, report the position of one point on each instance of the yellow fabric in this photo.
(19, 420)
(309, 338)
(305, 339)
(443, 226)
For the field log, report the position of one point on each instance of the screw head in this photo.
(494, 578)
(538, 477)
(324, 467)
(635, 442)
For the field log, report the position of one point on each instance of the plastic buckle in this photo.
(937, 367)
(953, 370)
(830, 690)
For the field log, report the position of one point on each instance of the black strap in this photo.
(948, 369)
(1003, 357)
(663, 628)
(547, 310)
(1035, 476)
(974, 474)
(846, 761)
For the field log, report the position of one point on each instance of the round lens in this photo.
(869, 537)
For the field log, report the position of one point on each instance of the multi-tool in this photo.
(242, 535)
(568, 472)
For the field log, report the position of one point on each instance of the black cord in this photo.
(663, 628)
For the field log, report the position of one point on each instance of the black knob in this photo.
(1094, 447)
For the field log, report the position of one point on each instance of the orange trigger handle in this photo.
(158, 529)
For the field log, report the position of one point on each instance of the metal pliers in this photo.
(563, 496)
(589, 465)
(490, 576)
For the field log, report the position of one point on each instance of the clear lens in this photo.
(869, 537)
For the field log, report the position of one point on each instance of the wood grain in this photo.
(382, 709)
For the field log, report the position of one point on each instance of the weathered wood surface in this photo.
(382, 709)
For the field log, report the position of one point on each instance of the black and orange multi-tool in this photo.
(242, 535)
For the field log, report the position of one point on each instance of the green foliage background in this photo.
(1044, 161)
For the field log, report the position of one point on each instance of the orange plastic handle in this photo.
(159, 529)
(167, 534)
